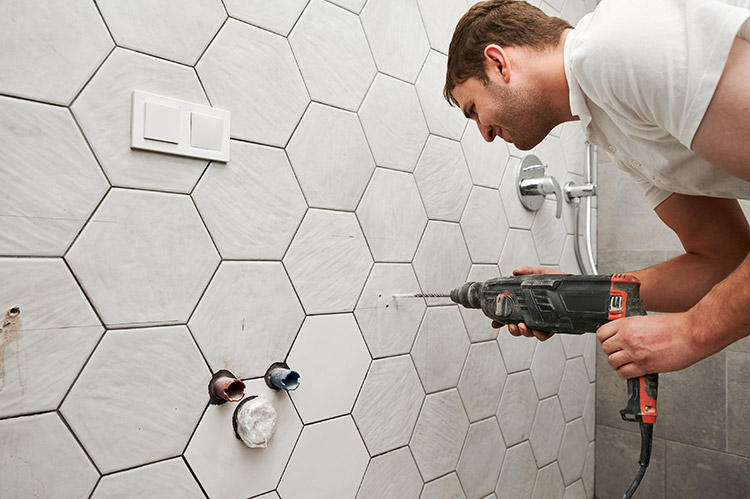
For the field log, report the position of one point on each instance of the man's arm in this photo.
(640, 345)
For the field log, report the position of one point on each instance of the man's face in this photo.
(517, 115)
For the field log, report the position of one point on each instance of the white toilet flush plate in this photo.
(172, 126)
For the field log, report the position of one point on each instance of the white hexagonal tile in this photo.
(482, 380)
(588, 470)
(547, 431)
(573, 141)
(549, 234)
(391, 476)
(104, 112)
(165, 479)
(153, 27)
(549, 484)
(350, 5)
(573, 344)
(589, 356)
(53, 336)
(551, 153)
(447, 487)
(397, 37)
(443, 179)
(589, 412)
(440, 348)
(442, 261)
(573, 450)
(149, 417)
(439, 434)
(237, 323)
(390, 324)
(575, 491)
(394, 124)
(484, 225)
(28, 30)
(574, 389)
(328, 262)
(487, 160)
(518, 474)
(518, 351)
(517, 407)
(477, 324)
(441, 22)
(328, 461)
(519, 251)
(388, 404)
(331, 158)
(266, 105)
(442, 118)
(215, 453)
(157, 250)
(481, 459)
(276, 17)
(263, 224)
(326, 347)
(392, 229)
(548, 366)
(39, 456)
(518, 216)
(56, 181)
(333, 55)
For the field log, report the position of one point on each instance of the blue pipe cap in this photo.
(280, 377)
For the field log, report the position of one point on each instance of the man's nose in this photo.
(487, 132)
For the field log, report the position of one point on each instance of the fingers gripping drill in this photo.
(572, 304)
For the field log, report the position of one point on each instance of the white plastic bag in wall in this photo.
(255, 422)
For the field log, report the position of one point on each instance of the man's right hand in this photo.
(522, 329)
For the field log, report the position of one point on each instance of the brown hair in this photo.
(507, 23)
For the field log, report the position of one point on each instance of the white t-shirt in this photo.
(641, 75)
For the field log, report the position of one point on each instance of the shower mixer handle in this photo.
(533, 185)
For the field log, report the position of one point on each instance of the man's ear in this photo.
(496, 61)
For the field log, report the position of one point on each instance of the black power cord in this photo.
(647, 437)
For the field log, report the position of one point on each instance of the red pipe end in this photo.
(224, 387)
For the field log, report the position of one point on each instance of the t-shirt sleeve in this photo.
(654, 195)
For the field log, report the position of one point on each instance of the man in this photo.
(664, 87)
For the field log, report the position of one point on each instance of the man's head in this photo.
(492, 40)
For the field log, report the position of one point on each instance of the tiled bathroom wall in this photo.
(130, 277)
(701, 444)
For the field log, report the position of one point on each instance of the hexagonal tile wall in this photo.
(53, 335)
(328, 461)
(333, 55)
(279, 18)
(392, 229)
(484, 225)
(26, 445)
(443, 179)
(332, 360)
(391, 476)
(169, 478)
(144, 258)
(397, 37)
(487, 161)
(481, 459)
(126, 408)
(214, 452)
(482, 380)
(266, 105)
(439, 435)
(216, 264)
(263, 224)
(389, 324)
(394, 124)
(331, 158)
(248, 318)
(517, 407)
(442, 118)
(152, 28)
(56, 180)
(440, 349)
(31, 69)
(388, 404)
(104, 111)
(328, 262)
(442, 261)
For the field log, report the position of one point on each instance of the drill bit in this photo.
(423, 295)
